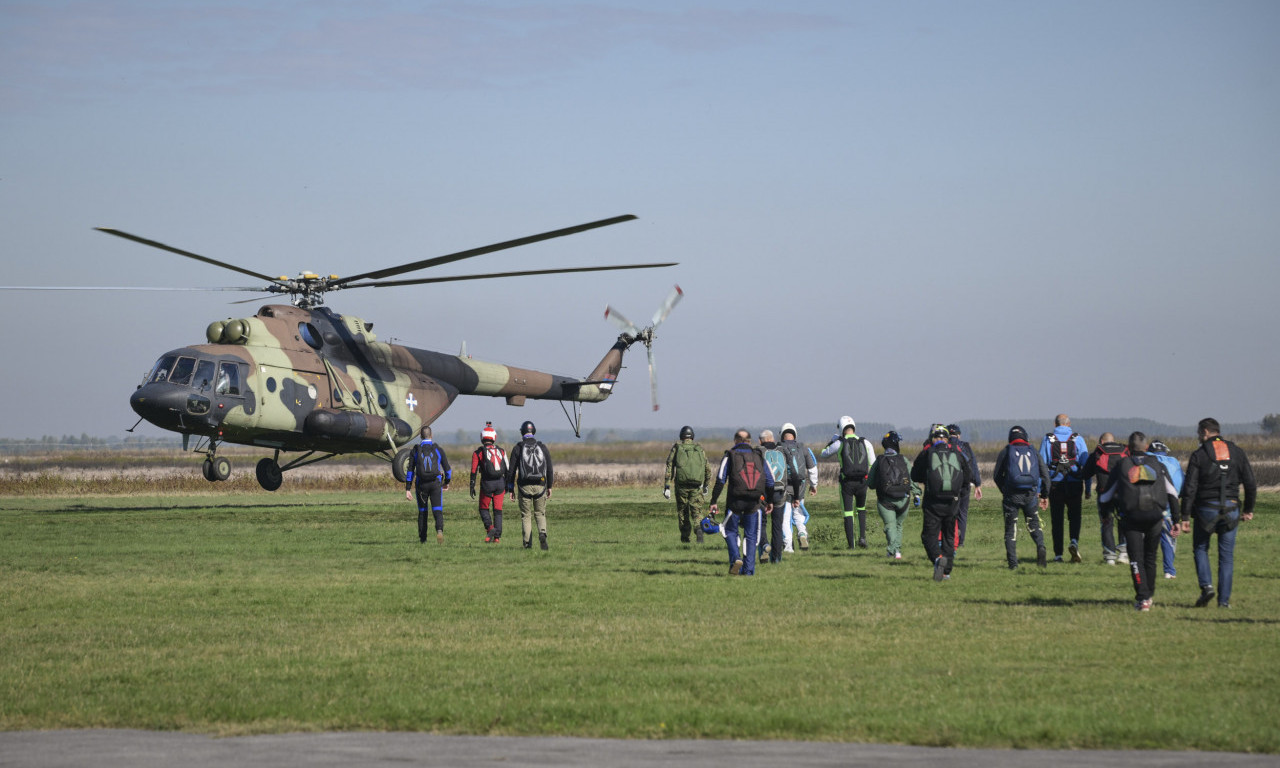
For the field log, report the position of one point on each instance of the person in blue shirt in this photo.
(1024, 481)
(427, 479)
(1065, 453)
(1168, 544)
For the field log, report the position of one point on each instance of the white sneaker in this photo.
(804, 542)
(788, 549)
(1123, 557)
(897, 555)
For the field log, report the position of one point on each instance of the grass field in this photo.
(300, 611)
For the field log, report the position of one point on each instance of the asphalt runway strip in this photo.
(142, 749)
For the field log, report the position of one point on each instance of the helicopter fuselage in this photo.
(295, 379)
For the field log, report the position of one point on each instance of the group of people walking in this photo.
(1145, 498)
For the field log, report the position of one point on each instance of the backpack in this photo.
(893, 478)
(1142, 492)
(1109, 454)
(492, 461)
(428, 462)
(746, 473)
(1021, 468)
(853, 458)
(690, 464)
(945, 479)
(777, 461)
(798, 471)
(1062, 454)
(533, 464)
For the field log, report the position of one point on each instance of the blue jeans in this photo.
(1208, 522)
(749, 520)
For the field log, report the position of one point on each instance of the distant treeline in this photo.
(981, 430)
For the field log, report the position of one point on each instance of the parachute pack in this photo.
(1062, 453)
(1109, 454)
(746, 473)
(690, 465)
(428, 468)
(945, 479)
(1142, 495)
(854, 462)
(893, 477)
(1021, 468)
(533, 464)
(778, 465)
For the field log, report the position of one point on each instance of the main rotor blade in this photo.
(188, 254)
(617, 318)
(438, 260)
(116, 288)
(672, 300)
(523, 273)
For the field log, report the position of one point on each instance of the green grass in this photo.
(320, 611)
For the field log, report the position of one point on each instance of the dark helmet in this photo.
(686, 433)
(892, 440)
(954, 429)
(527, 428)
(939, 432)
(1017, 433)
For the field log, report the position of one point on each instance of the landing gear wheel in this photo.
(221, 468)
(400, 464)
(270, 477)
(207, 469)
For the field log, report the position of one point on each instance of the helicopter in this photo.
(301, 378)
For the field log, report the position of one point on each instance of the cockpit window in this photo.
(161, 370)
(182, 371)
(204, 375)
(228, 379)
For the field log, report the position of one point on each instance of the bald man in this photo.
(1064, 452)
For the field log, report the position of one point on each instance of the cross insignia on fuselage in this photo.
(411, 401)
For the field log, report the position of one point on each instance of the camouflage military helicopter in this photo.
(302, 378)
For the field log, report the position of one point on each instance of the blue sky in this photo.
(907, 212)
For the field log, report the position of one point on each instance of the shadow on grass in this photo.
(1054, 602)
(1232, 620)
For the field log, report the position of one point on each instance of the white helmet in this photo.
(789, 427)
(846, 421)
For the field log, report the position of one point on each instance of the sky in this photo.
(907, 212)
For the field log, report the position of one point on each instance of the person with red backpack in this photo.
(1099, 464)
(1065, 453)
(489, 466)
(746, 475)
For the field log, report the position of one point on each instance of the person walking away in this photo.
(529, 478)
(856, 458)
(803, 471)
(975, 485)
(1064, 452)
(1142, 490)
(944, 473)
(1098, 465)
(1168, 542)
(771, 546)
(688, 470)
(426, 481)
(489, 467)
(890, 476)
(1211, 501)
(746, 476)
(1023, 481)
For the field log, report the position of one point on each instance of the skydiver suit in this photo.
(939, 512)
(742, 510)
(853, 489)
(429, 488)
(804, 474)
(489, 466)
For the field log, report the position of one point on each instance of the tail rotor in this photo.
(631, 334)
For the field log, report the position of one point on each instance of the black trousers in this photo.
(939, 518)
(777, 526)
(1144, 549)
(1068, 497)
(430, 501)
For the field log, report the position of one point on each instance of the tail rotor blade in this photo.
(625, 325)
(672, 300)
(653, 380)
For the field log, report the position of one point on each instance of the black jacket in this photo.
(1207, 483)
